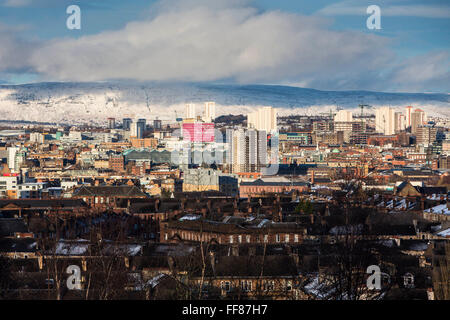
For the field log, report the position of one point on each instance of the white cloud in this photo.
(388, 8)
(200, 43)
(16, 3)
(232, 41)
(428, 70)
(14, 52)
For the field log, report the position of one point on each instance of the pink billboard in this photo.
(198, 132)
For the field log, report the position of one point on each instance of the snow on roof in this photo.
(319, 187)
(262, 223)
(190, 217)
(155, 280)
(421, 246)
(347, 229)
(134, 249)
(439, 209)
(65, 248)
(130, 249)
(401, 205)
(444, 233)
(318, 289)
(390, 243)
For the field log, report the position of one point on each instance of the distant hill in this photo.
(94, 102)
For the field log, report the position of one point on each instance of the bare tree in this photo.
(441, 274)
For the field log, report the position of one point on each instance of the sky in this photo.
(317, 44)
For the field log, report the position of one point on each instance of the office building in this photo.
(197, 131)
(116, 162)
(157, 124)
(210, 112)
(126, 123)
(343, 116)
(408, 116)
(137, 129)
(111, 123)
(426, 135)
(400, 122)
(385, 121)
(263, 119)
(418, 118)
(248, 150)
(189, 111)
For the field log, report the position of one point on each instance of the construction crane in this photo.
(362, 106)
(147, 98)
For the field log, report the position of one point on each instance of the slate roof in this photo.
(235, 266)
(42, 203)
(109, 191)
(18, 245)
(10, 226)
(260, 182)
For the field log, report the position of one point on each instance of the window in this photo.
(246, 285)
(231, 239)
(205, 288)
(269, 285)
(277, 238)
(266, 238)
(226, 286)
(166, 236)
(239, 238)
(296, 238)
(248, 238)
(286, 238)
(289, 285)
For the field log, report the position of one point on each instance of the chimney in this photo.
(296, 259)
(171, 263)
(430, 294)
(312, 176)
(209, 205)
(235, 250)
(212, 256)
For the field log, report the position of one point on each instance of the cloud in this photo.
(204, 43)
(16, 3)
(231, 41)
(388, 8)
(428, 70)
(14, 51)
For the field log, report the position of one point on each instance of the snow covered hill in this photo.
(94, 102)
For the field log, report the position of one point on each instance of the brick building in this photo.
(232, 230)
(116, 163)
